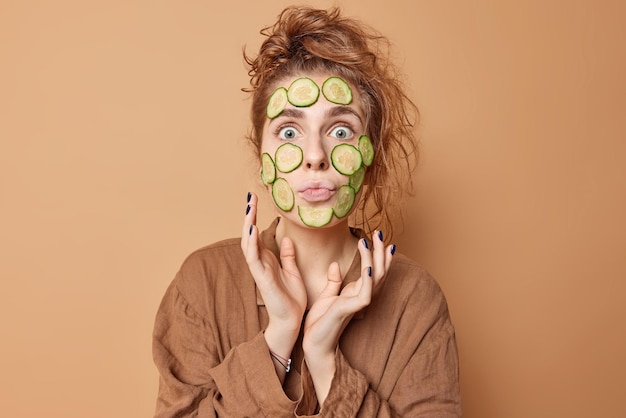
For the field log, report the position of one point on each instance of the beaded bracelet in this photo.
(285, 362)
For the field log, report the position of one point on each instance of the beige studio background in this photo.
(121, 128)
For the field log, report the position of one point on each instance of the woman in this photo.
(311, 316)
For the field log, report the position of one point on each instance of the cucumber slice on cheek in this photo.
(268, 170)
(367, 150)
(345, 201)
(288, 157)
(346, 159)
(356, 180)
(282, 194)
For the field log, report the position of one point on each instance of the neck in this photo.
(316, 249)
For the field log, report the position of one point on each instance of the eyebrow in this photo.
(344, 110)
(292, 113)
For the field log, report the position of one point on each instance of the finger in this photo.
(364, 251)
(365, 293)
(249, 220)
(378, 256)
(288, 257)
(333, 284)
(389, 253)
(252, 251)
(352, 305)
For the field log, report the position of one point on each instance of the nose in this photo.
(315, 155)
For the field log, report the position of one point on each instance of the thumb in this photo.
(333, 285)
(288, 257)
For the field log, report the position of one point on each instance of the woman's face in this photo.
(316, 179)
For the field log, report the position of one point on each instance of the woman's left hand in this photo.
(334, 308)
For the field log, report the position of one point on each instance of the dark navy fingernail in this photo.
(380, 235)
(249, 197)
(248, 209)
(369, 271)
(250, 229)
(365, 244)
(393, 249)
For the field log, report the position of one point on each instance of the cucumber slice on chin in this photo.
(346, 159)
(337, 91)
(268, 170)
(344, 202)
(315, 217)
(367, 150)
(288, 157)
(303, 92)
(282, 194)
(277, 103)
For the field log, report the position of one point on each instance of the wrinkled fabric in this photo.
(396, 358)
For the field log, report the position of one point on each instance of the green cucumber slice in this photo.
(356, 180)
(282, 194)
(268, 170)
(303, 92)
(367, 150)
(337, 91)
(315, 217)
(288, 157)
(346, 159)
(345, 201)
(277, 102)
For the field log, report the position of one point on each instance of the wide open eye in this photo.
(288, 133)
(342, 132)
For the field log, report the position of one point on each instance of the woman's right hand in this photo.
(281, 287)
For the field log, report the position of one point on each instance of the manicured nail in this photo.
(248, 209)
(250, 229)
(380, 235)
(369, 271)
(249, 197)
(365, 244)
(393, 249)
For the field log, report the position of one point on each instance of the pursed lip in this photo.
(316, 191)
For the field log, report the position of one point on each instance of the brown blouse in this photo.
(396, 358)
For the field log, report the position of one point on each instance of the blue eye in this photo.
(342, 132)
(288, 133)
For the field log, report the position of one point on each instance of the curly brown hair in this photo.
(307, 40)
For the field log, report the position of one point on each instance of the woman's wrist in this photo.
(322, 368)
(280, 340)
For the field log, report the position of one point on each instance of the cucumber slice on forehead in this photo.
(303, 92)
(282, 194)
(367, 150)
(315, 217)
(277, 102)
(337, 91)
(288, 157)
(344, 202)
(346, 159)
(268, 170)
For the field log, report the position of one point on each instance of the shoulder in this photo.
(228, 247)
(413, 280)
(211, 271)
(412, 296)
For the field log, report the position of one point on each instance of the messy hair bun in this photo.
(305, 40)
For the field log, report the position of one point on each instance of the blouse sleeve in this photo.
(194, 382)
